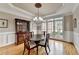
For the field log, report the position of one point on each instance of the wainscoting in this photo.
(76, 40)
(7, 38)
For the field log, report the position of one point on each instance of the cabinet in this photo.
(21, 27)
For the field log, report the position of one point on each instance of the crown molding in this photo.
(75, 7)
(55, 13)
(64, 13)
(21, 10)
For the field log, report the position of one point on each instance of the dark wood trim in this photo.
(75, 48)
(60, 40)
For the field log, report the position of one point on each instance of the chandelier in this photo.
(38, 19)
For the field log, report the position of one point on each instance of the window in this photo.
(50, 27)
(53, 25)
(43, 26)
(33, 27)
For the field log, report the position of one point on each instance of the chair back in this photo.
(43, 33)
(27, 41)
(47, 39)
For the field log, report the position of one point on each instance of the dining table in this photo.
(37, 39)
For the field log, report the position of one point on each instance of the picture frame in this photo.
(3, 23)
(75, 23)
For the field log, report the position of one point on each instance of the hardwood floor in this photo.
(57, 48)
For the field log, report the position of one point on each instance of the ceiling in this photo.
(46, 11)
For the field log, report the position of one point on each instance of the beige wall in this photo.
(76, 30)
(7, 35)
(68, 28)
(68, 23)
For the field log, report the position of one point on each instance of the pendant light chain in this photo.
(38, 19)
(38, 13)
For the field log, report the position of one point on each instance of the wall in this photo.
(76, 30)
(68, 28)
(7, 35)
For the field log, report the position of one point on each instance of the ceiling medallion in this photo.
(38, 5)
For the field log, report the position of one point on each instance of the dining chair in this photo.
(45, 43)
(27, 44)
(44, 32)
(29, 34)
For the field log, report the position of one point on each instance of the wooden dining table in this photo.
(37, 39)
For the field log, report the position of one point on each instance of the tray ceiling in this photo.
(46, 9)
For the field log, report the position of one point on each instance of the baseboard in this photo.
(61, 40)
(66, 42)
(7, 44)
(77, 49)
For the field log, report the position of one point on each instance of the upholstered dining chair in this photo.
(27, 44)
(45, 43)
